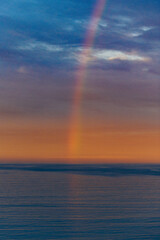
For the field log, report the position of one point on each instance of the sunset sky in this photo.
(113, 47)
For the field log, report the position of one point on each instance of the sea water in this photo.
(79, 202)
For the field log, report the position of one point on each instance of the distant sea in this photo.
(89, 202)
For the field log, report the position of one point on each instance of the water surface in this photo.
(79, 202)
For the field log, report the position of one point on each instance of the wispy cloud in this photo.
(33, 45)
(139, 31)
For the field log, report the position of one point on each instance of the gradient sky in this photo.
(40, 47)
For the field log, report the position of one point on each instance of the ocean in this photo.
(89, 202)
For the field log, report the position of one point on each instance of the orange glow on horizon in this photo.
(48, 143)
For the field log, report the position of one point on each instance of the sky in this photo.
(43, 48)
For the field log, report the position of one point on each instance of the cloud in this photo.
(35, 45)
(115, 170)
(139, 31)
(92, 55)
(111, 55)
(146, 28)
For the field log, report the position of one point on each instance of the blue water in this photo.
(74, 202)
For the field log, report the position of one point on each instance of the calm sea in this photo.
(79, 202)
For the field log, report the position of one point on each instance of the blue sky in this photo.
(40, 46)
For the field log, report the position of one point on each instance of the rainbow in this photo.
(74, 133)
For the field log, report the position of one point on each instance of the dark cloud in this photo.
(117, 65)
(111, 170)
